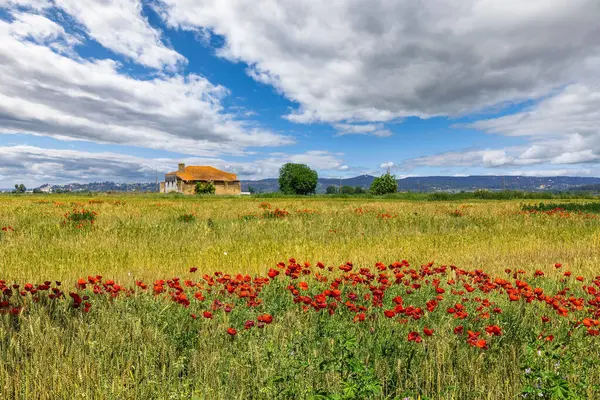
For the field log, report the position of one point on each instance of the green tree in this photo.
(331, 189)
(347, 189)
(297, 179)
(384, 184)
(205, 188)
(20, 188)
(359, 190)
(251, 190)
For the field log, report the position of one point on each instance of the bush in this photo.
(384, 184)
(205, 188)
(297, 179)
(439, 196)
(191, 217)
(332, 189)
(79, 218)
(20, 188)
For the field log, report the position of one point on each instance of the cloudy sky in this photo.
(119, 89)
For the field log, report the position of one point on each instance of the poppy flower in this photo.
(414, 337)
(266, 318)
(231, 331)
(427, 331)
(193, 269)
(303, 285)
(207, 314)
(557, 265)
(494, 330)
(359, 317)
(458, 330)
(389, 313)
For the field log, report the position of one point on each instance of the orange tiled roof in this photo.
(204, 173)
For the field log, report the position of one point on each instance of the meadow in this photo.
(149, 296)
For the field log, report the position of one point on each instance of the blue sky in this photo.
(117, 89)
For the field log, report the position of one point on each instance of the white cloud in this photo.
(555, 172)
(35, 166)
(46, 93)
(379, 60)
(362, 129)
(120, 26)
(37, 5)
(563, 128)
(467, 158)
(388, 164)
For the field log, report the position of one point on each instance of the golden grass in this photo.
(147, 347)
(143, 237)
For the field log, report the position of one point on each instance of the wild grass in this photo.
(141, 346)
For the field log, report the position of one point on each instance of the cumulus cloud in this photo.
(379, 60)
(564, 128)
(35, 166)
(120, 26)
(362, 129)
(45, 92)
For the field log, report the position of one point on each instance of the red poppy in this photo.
(359, 317)
(494, 330)
(303, 285)
(231, 331)
(427, 331)
(545, 319)
(557, 265)
(207, 314)
(414, 337)
(266, 318)
(458, 330)
(588, 322)
(193, 269)
(389, 313)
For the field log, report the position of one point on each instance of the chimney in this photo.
(181, 167)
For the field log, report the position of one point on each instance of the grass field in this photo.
(137, 342)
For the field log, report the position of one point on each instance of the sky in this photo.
(120, 90)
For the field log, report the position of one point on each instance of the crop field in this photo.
(166, 297)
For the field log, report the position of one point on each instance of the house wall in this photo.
(221, 188)
(230, 188)
(167, 187)
(186, 188)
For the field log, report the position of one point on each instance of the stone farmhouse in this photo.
(185, 178)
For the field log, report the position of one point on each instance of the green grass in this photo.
(577, 207)
(142, 346)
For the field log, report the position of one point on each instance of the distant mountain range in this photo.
(449, 184)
